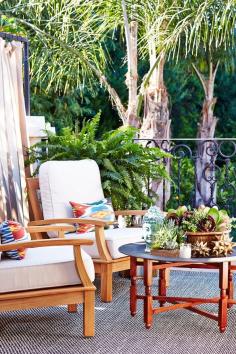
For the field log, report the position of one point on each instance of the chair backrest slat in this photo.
(34, 204)
(33, 194)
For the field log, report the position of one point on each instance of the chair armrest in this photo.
(130, 212)
(46, 228)
(45, 243)
(92, 221)
(99, 231)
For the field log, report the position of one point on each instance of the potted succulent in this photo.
(159, 232)
(167, 236)
(207, 229)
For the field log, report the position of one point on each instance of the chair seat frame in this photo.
(83, 293)
(105, 266)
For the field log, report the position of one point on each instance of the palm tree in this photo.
(156, 122)
(69, 43)
(71, 50)
(202, 31)
(66, 42)
(68, 49)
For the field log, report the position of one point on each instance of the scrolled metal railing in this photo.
(202, 172)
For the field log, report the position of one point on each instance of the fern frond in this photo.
(125, 166)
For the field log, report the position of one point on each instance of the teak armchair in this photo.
(70, 295)
(62, 181)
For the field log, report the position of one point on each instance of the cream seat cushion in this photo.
(114, 239)
(44, 267)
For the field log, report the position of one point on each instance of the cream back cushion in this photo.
(63, 181)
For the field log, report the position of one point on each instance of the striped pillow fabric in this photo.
(12, 231)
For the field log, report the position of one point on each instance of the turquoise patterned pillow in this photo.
(98, 210)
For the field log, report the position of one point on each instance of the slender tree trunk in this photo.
(131, 36)
(206, 153)
(156, 122)
(132, 77)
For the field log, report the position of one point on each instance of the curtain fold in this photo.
(13, 204)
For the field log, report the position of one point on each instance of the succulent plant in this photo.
(167, 236)
(167, 232)
(221, 218)
(203, 219)
(207, 224)
(177, 215)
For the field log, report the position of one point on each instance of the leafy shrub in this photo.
(125, 166)
(226, 188)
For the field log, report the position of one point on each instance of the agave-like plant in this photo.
(167, 236)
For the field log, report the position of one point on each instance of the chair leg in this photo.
(106, 282)
(72, 308)
(89, 314)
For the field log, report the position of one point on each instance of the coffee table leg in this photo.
(148, 312)
(162, 284)
(133, 287)
(230, 291)
(223, 302)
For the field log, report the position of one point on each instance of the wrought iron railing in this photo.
(201, 171)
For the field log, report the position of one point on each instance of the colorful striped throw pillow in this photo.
(12, 231)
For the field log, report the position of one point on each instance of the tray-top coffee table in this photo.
(162, 263)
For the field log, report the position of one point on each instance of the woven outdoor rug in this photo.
(53, 330)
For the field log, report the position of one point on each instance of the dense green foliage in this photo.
(125, 166)
(8, 24)
(225, 110)
(85, 96)
(69, 110)
(185, 95)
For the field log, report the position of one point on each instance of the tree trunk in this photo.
(132, 77)
(206, 151)
(131, 36)
(156, 122)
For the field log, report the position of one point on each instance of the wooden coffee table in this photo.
(222, 264)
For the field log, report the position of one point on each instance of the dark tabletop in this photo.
(137, 250)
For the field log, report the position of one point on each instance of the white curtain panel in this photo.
(13, 134)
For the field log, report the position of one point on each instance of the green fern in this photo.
(125, 166)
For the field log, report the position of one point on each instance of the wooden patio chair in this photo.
(62, 181)
(50, 275)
